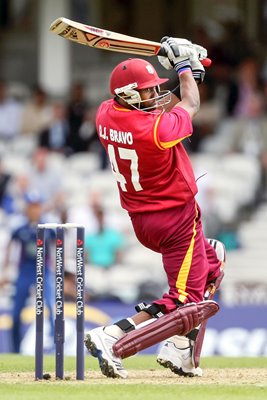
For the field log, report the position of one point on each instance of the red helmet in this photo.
(134, 71)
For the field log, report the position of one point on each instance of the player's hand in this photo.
(165, 62)
(198, 70)
(177, 56)
(202, 53)
(185, 47)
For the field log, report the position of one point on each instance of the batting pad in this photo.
(178, 322)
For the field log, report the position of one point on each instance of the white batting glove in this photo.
(176, 49)
(177, 56)
(198, 70)
(165, 62)
(201, 51)
(181, 41)
(200, 54)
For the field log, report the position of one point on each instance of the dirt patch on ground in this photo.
(227, 376)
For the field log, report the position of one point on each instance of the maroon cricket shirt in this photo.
(157, 187)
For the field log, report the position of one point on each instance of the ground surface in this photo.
(226, 376)
(223, 379)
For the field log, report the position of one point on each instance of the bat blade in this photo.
(107, 40)
(103, 39)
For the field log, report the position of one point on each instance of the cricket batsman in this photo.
(142, 129)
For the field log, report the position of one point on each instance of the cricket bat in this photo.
(107, 40)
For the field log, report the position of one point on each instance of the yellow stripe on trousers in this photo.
(185, 268)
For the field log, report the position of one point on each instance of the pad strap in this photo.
(125, 325)
(152, 309)
(193, 334)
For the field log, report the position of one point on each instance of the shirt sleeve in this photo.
(172, 127)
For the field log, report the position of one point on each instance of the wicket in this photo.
(59, 327)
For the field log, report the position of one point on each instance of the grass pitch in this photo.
(223, 378)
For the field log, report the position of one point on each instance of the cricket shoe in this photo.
(99, 344)
(176, 354)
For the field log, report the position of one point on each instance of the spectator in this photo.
(25, 236)
(87, 130)
(36, 114)
(10, 115)
(245, 95)
(77, 109)
(56, 136)
(230, 236)
(104, 248)
(42, 176)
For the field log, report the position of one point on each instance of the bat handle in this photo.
(206, 62)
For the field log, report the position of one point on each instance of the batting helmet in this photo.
(134, 71)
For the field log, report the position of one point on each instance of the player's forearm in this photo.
(190, 99)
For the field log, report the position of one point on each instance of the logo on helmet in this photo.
(150, 69)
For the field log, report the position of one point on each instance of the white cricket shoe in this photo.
(176, 354)
(99, 344)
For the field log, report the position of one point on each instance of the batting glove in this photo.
(198, 70)
(177, 56)
(201, 51)
(185, 47)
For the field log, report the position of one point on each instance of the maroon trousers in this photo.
(189, 261)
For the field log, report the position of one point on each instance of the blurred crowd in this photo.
(63, 126)
(232, 121)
